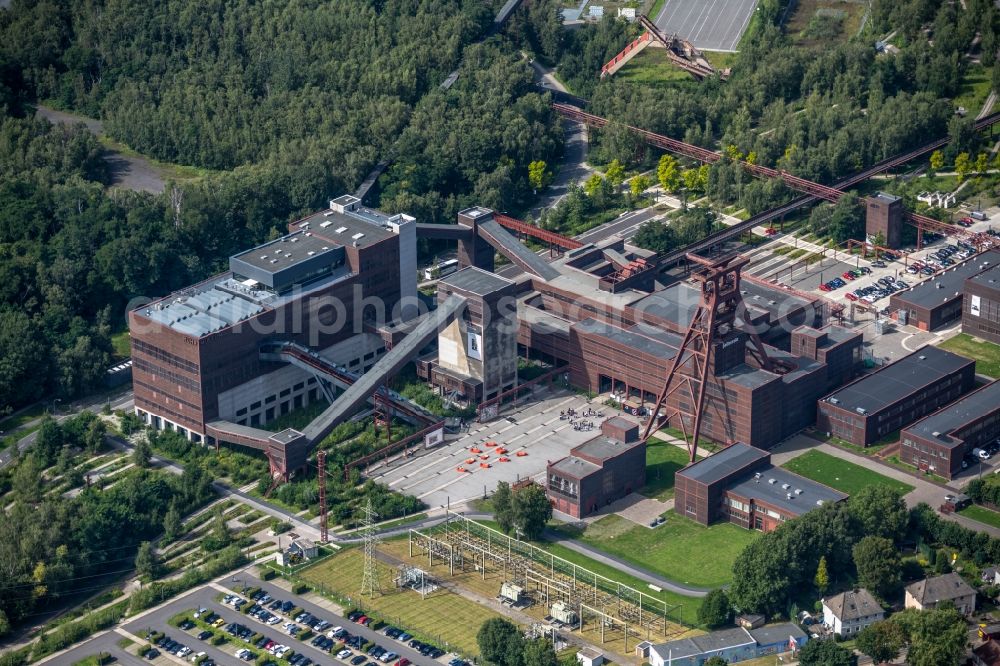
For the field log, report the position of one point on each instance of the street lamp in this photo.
(55, 402)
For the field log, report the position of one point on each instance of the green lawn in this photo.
(987, 354)
(653, 68)
(662, 461)
(121, 345)
(445, 617)
(974, 90)
(680, 549)
(28, 415)
(840, 474)
(686, 607)
(981, 514)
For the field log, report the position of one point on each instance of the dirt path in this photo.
(130, 172)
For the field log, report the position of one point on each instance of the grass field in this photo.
(680, 549)
(653, 68)
(686, 607)
(974, 90)
(987, 354)
(662, 461)
(811, 24)
(982, 514)
(121, 345)
(840, 474)
(443, 617)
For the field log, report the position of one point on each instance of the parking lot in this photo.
(713, 25)
(530, 437)
(240, 627)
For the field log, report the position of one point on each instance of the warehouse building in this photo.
(938, 442)
(740, 485)
(981, 305)
(938, 300)
(599, 471)
(895, 395)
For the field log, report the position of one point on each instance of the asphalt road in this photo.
(93, 405)
(206, 597)
(129, 171)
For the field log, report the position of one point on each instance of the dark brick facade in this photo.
(981, 306)
(600, 471)
(889, 404)
(739, 484)
(939, 442)
(179, 377)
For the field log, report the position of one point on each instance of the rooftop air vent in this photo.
(325, 224)
(788, 496)
(936, 433)
(798, 491)
(772, 481)
(785, 486)
(819, 502)
(922, 357)
(861, 410)
(340, 230)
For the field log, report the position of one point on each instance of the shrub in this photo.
(305, 635)
(288, 655)
(269, 574)
(252, 591)
(300, 588)
(294, 611)
(71, 632)
(219, 639)
(15, 657)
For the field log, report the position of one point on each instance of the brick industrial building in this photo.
(895, 395)
(300, 318)
(740, 485)
(196, 352)
(939, 442)
(624, 342)
(981, 305)
(938, 301)
(599, 471)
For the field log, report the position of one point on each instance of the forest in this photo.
(820, 113)
(281, 107)
(53, 545)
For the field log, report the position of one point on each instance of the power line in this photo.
(369, 580)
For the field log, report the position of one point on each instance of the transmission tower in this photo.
(324, 532)
(369, 581)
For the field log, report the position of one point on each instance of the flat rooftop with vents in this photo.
(938, 300)
(895, 395)
(739, 484)
(939, 442)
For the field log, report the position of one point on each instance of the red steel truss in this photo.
(324, 531)
(720, 302)
(536, 232)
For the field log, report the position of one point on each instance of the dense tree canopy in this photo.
(283, 104)
(50, 543)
